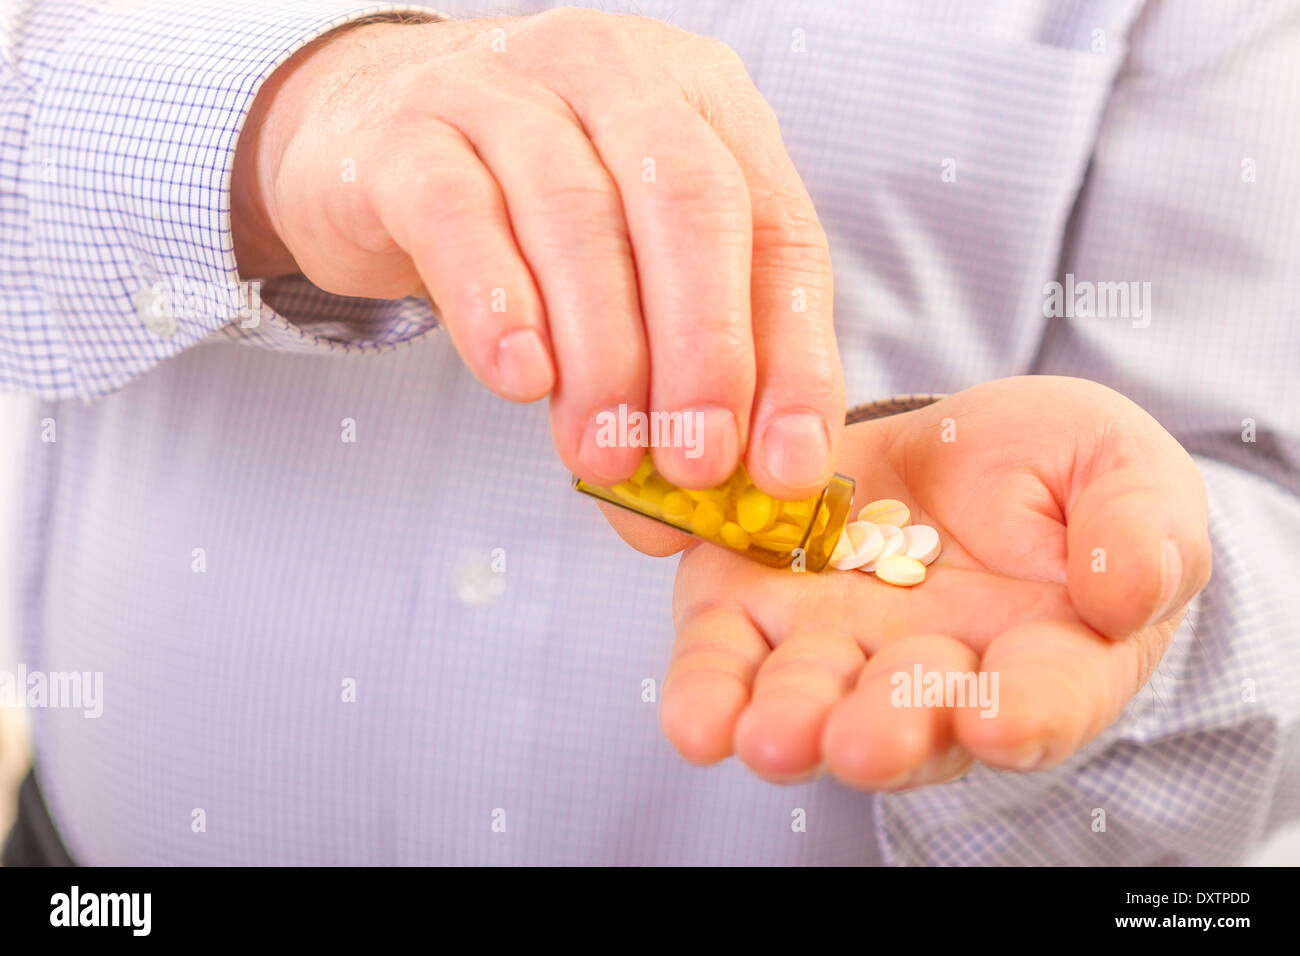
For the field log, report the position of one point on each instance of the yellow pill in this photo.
(654, 489)
(707, 519)
(900, 570)
(798, 511)
(718, 495)
(737, 483)
(782, 536)
(886, 511)
(755, 511)
(627, 491)
(677, 506)
(735, 536)
(643, 470)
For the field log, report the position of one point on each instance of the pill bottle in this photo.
(738, 516)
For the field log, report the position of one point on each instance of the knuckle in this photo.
(787, 222)
(714, 56)
(728, 350)
(716, 81)
(705, 189)
(792, 262)
(592, 29)
(443, 196)
(579, 202)
(792, 243)
(622, 370)
(585, 227)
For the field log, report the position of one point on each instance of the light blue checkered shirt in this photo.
(961, 155)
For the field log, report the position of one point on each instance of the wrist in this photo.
(284, 103)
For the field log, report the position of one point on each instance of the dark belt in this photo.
(33, 841)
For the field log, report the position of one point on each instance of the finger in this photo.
(568, 219)
(687, 211)
(799, 396)
(798, 414)
(797, 685)
(1058, 685)
(717, 653)
(878, 739)
(645, 534)
(1137, 536)
(443, 208)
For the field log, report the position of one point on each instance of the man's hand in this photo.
(1074, 534)
(600, 206)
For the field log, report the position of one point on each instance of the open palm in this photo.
(1074, 533)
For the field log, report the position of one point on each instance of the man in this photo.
(284, 559)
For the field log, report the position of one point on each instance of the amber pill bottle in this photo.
(738, 516)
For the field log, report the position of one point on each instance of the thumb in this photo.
(1137, 538)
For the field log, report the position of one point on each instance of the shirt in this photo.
(347, 609)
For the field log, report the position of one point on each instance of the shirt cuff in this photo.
(136, 115)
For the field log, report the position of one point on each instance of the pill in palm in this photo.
(865, 541)
(888, 511)
(843, 550)
(893, 544)
(868, 541)
(921, 542)
(900, 570)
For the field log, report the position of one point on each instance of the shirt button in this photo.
(155, 311)
(478, 583)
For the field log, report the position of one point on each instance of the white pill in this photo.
(865, 542)
(868, 541)
(843, 550)
(893, 545)
(900, 570)
(921, 542)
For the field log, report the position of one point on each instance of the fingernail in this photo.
(901, 782)
(603, 453)
(1171, 576)
(709, 447)
(523, 365)
(1030, 758)
(797, 449)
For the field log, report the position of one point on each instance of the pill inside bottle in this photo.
(738, 516)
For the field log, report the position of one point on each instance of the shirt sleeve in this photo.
(119, 122)
(1193, 188)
